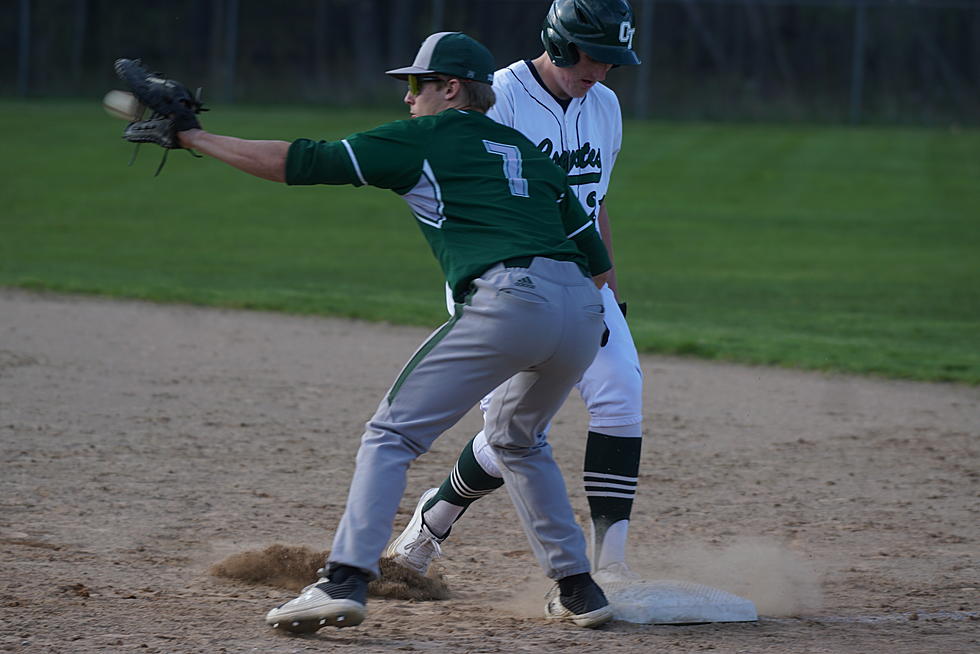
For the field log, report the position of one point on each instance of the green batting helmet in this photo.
(603, 29)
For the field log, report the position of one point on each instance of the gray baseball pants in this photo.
(531, 332)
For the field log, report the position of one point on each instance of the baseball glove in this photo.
(174, 108)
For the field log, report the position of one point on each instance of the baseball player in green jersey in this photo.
(523, 262)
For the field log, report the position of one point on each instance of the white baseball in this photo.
(122, 104)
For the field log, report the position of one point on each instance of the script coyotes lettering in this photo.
(584, 157)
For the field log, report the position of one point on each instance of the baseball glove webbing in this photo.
(174, 108)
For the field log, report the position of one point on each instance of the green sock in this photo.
(467, 483)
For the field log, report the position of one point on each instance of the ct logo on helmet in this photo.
(626, 32)
(602, 29)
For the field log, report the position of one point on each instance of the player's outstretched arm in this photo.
(265, 159)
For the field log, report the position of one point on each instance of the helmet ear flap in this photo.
(572, 54)
(561, 51)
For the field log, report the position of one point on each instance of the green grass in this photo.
(829, 248)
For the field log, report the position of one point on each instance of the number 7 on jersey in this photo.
(512, 166)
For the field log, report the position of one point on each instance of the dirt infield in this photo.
(141, 444)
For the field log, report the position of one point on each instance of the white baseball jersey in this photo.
(583, 139)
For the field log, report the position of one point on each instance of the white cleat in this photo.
(416, 546)
(316, 607)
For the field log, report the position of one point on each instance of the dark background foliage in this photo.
(890, 61)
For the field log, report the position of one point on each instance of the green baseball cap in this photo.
(450, 53)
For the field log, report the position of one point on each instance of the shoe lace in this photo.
(322, 575)
(423, 549)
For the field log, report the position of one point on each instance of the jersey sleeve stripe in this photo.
(436, 189)
(353, 160)
(580, 229)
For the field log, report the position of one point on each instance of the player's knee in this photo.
(515, 450)
(620, 394)
(484, 454)
(630, 384)
(617, 402)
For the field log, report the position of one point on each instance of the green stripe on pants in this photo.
(423, 351)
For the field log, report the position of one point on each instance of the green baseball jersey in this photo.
(480, 191)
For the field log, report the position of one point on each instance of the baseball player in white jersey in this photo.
(559, 102)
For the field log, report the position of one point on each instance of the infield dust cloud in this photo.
(294, 567)
(781, 582)
(529, 601)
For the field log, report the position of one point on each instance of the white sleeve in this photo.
(617, 136)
